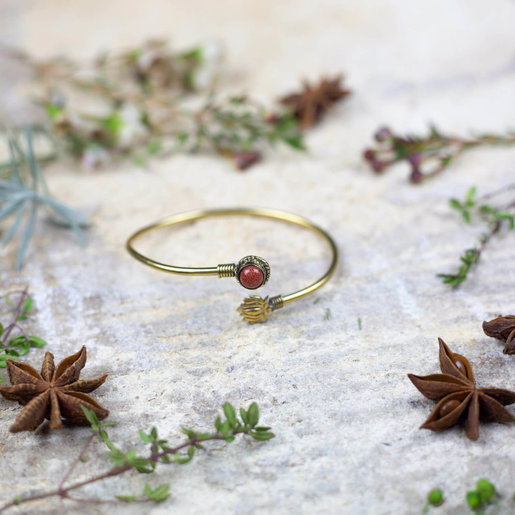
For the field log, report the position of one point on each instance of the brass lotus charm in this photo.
(255, 309)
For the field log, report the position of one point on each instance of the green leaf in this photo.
(506, 215)
(230, 413)
(261, 436)
(159, 494)
(6, 356)
(446, 160)
(113, 123)
(116, 456)
(435, 497)
(473, 499)
(146, 438)
(226, 429)
(485, 489)
(53, 111)
(142, 465)
(139, 159)
(24, 348)
(182, 137)
(36, 341)
(296, 141)
(91, 417)
(17, 341)
(181, 460)
(154, 146)
(102, 433)
(28, 305)
(253, 414)
(189, 432)
(1, 329)
(244, 416)
(471, 193)
(126, 498)
(434, 132)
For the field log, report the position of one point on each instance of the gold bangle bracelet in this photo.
(251, 271)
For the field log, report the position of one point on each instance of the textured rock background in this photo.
(337, 397)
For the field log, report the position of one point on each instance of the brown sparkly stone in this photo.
(251, 277)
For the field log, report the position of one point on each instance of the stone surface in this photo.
(336, 395)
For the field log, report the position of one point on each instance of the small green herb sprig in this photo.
(478, 499)
(428, 155)
(240, 128)
(494, 218)
(24, 191)
(159, 452)
(14, 341)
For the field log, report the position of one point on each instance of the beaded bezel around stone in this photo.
(256, 261)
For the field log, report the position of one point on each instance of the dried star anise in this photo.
(54, 394)
(502, 328)
(459, 399)
(312, 102)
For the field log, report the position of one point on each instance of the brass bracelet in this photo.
(251, 271)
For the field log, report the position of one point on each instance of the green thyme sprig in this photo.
(14, 340)
(494, 218)
(428, 155)
(159, 451)
(24, 192)
(240, 128)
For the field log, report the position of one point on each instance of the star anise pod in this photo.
(54, 394)
(459, 398)
(502, 328)
(313, 101)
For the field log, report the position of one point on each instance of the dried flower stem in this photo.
(427, 156)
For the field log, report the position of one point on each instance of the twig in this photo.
(159, 453)
(76, 462)
(17, 313)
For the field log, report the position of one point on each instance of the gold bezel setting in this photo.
(256, 261)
